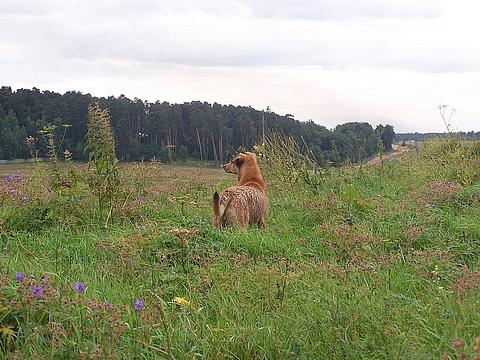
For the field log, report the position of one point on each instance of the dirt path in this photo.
(397, 150)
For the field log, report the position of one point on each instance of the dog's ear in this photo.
(238, 161)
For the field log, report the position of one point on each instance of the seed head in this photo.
(458, 344)
(31, 140)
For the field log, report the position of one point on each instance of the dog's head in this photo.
(242, 159)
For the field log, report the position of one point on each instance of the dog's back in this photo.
(240, 206)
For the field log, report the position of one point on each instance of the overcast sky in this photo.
(332, 61)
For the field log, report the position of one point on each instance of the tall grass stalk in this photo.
(102, 164)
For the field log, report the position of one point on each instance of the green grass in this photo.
(376, 263)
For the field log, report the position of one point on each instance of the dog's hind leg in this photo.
(237, 218)
(261, 222)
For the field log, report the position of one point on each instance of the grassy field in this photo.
(377, 262)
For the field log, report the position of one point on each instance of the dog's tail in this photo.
(216, 204)
(219, 205)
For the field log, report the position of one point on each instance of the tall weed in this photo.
(283, 164)
(453, 159)
(102, 164)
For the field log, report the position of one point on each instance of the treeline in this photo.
(145, 130)
(471, 135)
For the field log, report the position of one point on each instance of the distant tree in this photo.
(360, 137)
(387, 135)
(143, 130)
(12, 137)
(163, 155)
(182, 153)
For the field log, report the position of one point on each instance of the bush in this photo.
(163, 156)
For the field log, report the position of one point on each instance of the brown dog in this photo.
(245, 203)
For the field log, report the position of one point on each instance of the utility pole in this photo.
(263, 124)
(263, 128)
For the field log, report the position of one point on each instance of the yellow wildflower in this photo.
(181, 301)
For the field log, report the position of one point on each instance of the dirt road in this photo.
(397, 150)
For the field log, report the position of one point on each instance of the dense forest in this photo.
(199, 130)
(471, 135)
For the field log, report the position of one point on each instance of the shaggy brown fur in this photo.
(245, 203)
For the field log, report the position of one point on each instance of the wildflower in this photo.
(140, 197)
(44, 281)
(9, 179)
(181, 301)
(37, 291)
(107, 305)
(79, 287)
(19, 276)
(24, 199)
(12, 192)
(138, 305)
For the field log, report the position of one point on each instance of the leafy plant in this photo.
(48, 133)
(102, 164)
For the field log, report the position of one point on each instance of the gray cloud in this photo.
(124, 43)
(155, 32)
(346, 9)
(25, 8)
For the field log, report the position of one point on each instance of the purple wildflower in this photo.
(24, 199)
(107, 305)
(12, 192)
(37, 291)
(79, 287)
(44, 281)
(9, 179)
(138, 305)
(19, 276)
(140, 197)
